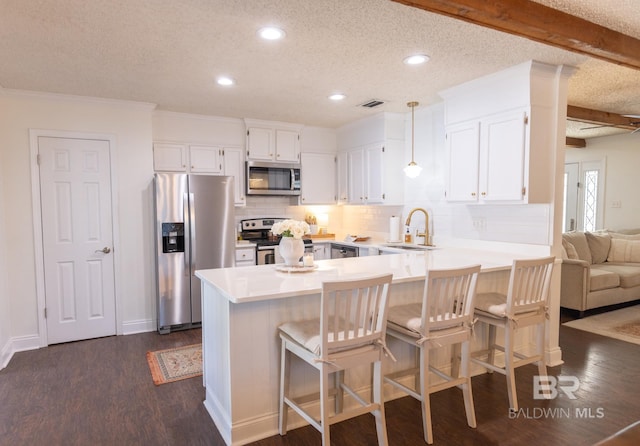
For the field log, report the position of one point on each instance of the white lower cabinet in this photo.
(246, 256)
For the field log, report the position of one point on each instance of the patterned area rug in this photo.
(623, 324)
(174, 364)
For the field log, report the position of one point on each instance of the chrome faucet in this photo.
(425, 234)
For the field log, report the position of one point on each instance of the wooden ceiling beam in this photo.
(541, 23)
(601, 117)
(577, 143)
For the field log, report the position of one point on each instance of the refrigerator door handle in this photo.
(187, 242)
(192, 233)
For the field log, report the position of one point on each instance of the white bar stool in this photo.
(444, 318)
(524, 305)
(350, 332)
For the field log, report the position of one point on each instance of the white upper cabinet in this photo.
(356, 177)
(373, 161)
(486, 158)
(463, 155)
(287, 146)
(205, 159)
(260, 145)
(342, 180)
(169, 157)
(273, 141)
(503, 150)
(367, 175)
(502, 135)
(234, 167)
(318, 181)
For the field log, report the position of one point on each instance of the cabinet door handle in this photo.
(484, 194)
(473, 194)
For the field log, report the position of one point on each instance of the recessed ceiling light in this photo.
(226, 81)
(271, 33)
(416, 59)
(337, 97)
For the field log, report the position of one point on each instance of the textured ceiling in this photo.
(170, 52)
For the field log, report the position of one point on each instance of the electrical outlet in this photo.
(616, 204)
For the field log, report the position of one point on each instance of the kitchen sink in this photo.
(408, 247)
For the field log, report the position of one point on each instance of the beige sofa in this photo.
(599, 269)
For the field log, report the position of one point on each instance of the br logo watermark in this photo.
(550, 388)
(547, 387)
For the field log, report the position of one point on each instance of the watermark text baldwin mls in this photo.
(536, 413)
(551, 387)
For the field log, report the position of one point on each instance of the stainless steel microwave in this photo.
(265, 178)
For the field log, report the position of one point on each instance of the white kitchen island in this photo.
(242, 308)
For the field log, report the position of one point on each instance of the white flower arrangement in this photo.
(291, 228)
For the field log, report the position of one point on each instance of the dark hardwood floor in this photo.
(100, 392)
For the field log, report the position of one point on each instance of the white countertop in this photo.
(263, 282)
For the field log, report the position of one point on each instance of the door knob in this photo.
(105, 250)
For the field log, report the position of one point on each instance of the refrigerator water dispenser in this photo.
(172, 237)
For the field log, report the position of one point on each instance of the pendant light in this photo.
(412, 170)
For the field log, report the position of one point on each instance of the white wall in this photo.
(622, 154)
(130, 123)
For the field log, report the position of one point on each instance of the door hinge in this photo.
(384, 196)
(382, 149)
(38, 159)
(526, 119)
(45, 312)
(247, 132)
(524, 191)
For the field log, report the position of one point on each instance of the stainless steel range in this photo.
(258, 231)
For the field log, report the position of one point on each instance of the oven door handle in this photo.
(293, 178)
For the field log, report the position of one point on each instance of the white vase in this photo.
(291, 249)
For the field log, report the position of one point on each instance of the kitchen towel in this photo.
(394, 229)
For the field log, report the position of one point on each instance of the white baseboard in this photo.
(6, 353)
(18, 344)
(139, 326)
(32, 342)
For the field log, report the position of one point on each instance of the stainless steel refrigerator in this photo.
(194, 230)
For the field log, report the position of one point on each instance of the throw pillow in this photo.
(625, 236)
(570, 249)
(623, 250)
(599, 244)
(579, 242)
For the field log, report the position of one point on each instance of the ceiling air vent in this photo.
(372, 103)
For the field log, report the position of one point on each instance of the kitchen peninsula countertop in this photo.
(264, 282)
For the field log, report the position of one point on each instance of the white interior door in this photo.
(77, 233)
